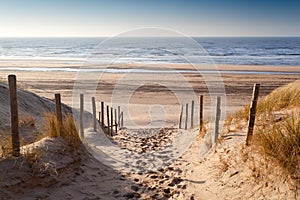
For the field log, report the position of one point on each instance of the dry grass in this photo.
(277, 138)
(68, 131)
(6, 145)
(202, 132)
(242, 114)
(71, 133)
(52, 128)
(223, 165)
(281, 141)
(32, 156)
(285, 97)
(26, 120)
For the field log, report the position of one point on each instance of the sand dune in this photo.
(59, 173)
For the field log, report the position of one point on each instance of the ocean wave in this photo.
(262, 51)
(140, 71)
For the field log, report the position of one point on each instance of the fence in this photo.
(114, 119)
(201, 122)
(251, 122)
(115, 115)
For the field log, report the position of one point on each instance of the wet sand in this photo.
(238, 87)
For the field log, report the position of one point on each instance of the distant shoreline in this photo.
(142, 68)
(145, 71)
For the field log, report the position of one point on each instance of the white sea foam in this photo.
(258, 51)
(137, 71)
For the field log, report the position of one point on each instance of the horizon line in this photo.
(140, 36)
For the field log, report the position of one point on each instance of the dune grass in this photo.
(68, 131)
(277, 138)
(285, 97)
(281, 142)
(6, 145)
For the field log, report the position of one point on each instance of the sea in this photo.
(270, 51)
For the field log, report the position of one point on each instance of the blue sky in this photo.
(110, 17)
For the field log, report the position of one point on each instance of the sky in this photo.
(98, 18)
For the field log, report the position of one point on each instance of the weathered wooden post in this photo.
(122, 116)
(180, 117)
(12, 82)
(201, 112)
(81, 116)
(116, 125)
(102, 115)
(187, 115)
(99, 117)
(252, 113)
(111, 121)
(108, 123)
(119, 113)
(218, 116)
(94, 114)
(192, 114)
(58, 113)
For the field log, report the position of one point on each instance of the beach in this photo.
(151, 163)
(237, 82)
(166, 100)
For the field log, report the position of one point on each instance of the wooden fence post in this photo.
(81, 116)
(99, 117)
(201, 113)
(180, 117)
(108, 123)
(252, 113)
(94, 113)
(102, 115)
(192, 114)
(58, 113)
(218, 115)
(187, 115)
(122, 116)
(116, 125)
(12, 82)
(119, 113)
(111, 121)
